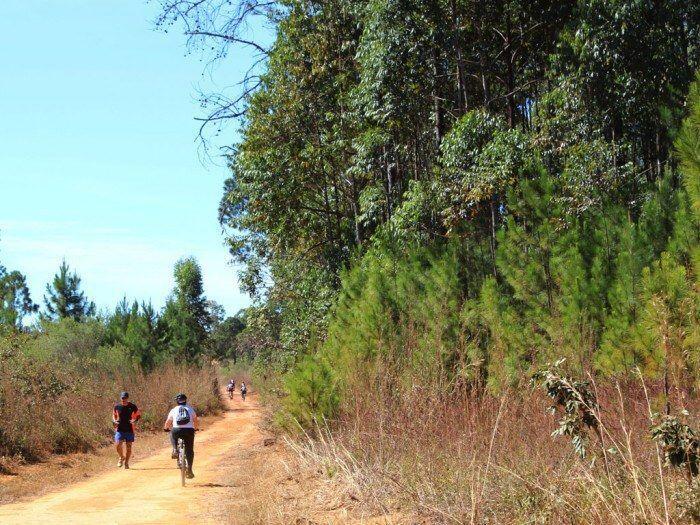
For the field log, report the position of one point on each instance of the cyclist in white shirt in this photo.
(182, 422)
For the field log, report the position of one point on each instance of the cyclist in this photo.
(182, 422)
(124, 416)
(230, 388)
(244, 390)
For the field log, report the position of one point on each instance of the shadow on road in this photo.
(152, 468)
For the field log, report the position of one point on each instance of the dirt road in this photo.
(150, 491)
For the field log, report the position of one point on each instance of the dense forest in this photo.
(498, 179)
(434, 203)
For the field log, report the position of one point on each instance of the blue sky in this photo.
(98, 159)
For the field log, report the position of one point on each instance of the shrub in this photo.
(48, 409)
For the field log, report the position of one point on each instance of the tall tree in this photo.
(64, 297)
(537, 133)
(186, 320)
(15, 301)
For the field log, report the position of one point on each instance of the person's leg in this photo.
(188, 437)
(173, 442)
(128, 454)
(120, 450)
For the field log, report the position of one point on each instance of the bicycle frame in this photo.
(182, 460)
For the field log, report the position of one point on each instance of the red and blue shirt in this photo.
(124, 415)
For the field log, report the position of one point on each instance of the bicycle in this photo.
(182, 460)
(230, 393)
(182, 463)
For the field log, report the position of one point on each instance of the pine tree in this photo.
(140, 337)
(666, 321)
(64, 298)
(617, 352)
(688, 149)
(185, 321)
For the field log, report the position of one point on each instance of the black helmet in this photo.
(181, 398)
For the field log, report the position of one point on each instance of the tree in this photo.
(186, 320)
(141, 337)
(224, 335)
(64, 297)
(15, 301)
(535, 135)
(688, 147)
(134, 327)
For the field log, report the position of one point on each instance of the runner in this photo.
(124, 416)
(182, 421)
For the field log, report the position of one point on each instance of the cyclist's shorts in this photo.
(123, 436)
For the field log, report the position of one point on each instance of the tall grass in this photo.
(50, 405)
(476, 459)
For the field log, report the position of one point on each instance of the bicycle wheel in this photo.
(182, 460)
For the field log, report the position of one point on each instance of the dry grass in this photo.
(50, 409)
(478, 460)
(269, 484)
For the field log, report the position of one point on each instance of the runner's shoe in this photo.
(120, 463)
(190, 475)
(126, 465)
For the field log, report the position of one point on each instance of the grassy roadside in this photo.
(488, 459)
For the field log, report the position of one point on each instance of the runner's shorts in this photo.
(123, 436)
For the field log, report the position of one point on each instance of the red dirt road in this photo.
(150, 491)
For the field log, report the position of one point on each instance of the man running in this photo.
(182, 421)
(124, 416)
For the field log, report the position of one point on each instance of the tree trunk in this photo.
(510, 77)
(461, 91)
(437, 106)
(493, 235)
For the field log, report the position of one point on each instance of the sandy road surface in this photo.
(150, 491)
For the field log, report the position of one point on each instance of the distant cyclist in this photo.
(124, 416)
(182, 421)
(230, 388)
(244, 390)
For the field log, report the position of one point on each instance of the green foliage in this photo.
(688, 147)
(679, 443)
(313, 397)
(223, 339)
(186, 319)
(64, 298)
(577, 401)
(456, 193)
(15, 300)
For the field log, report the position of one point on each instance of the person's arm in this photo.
(136, 415)
(168, 423)
(115, 416)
